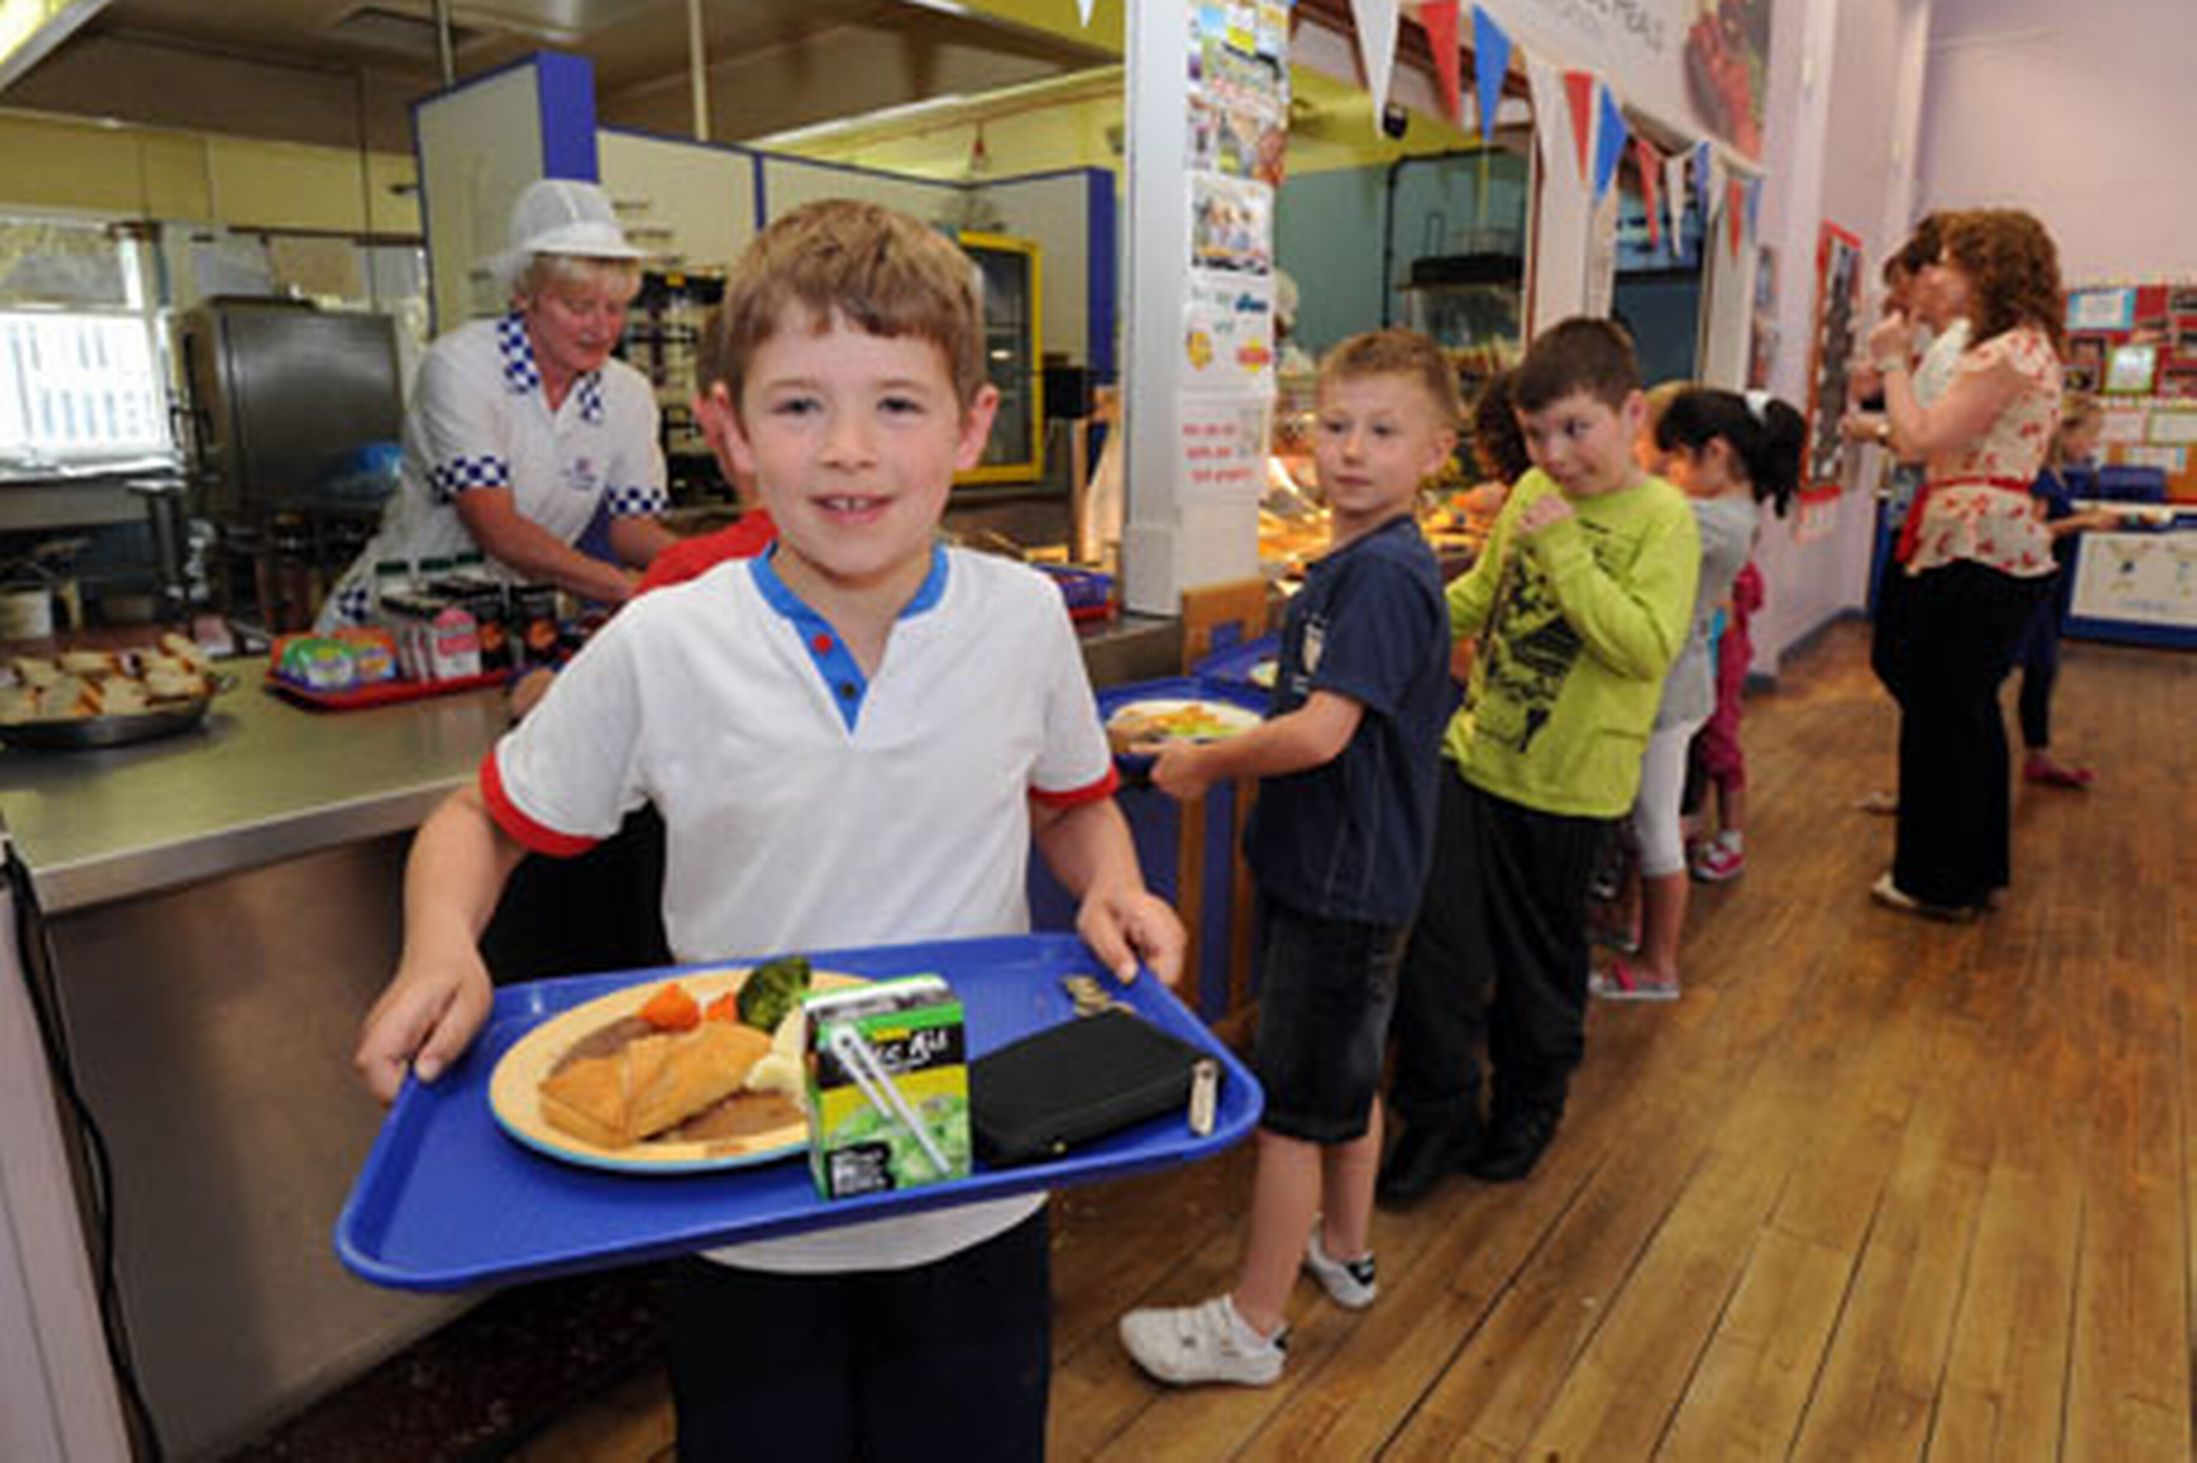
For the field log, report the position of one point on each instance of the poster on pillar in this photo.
(1238, 117)
(1703, 62)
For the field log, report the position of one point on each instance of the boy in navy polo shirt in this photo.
(1339, 846)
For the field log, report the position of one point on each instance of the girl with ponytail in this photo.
(1729, 453)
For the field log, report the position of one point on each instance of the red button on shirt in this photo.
(823, 644)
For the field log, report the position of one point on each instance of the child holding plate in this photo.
(853, 740)
(1338, 846)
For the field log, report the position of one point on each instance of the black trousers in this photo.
(1498, 956)
(1962, 621)
(949, 1361)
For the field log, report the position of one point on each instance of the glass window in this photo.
(80, 380)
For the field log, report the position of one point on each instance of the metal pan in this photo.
(81, 733)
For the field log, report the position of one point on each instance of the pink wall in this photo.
(2082, 111)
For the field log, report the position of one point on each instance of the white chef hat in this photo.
(562, 216)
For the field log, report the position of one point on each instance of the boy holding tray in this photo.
(852, 741)
(1338, 845)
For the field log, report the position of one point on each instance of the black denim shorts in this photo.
(1326, 991)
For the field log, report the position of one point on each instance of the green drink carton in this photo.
(888, 1086)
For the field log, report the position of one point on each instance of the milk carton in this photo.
(884, 1061)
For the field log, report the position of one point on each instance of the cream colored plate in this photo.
(1233, 719)
(514, 1088)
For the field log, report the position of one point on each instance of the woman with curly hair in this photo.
(1975, 556)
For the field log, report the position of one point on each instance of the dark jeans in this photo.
(948, 1361)
(1499, 952)
(1962, 620)
(2039, 658)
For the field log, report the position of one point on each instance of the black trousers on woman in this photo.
(1956, 637)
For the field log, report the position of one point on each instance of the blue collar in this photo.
(834, 663)
(521, 375)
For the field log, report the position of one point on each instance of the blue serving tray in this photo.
(447, 1200)
(1234, 664)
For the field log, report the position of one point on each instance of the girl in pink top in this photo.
(1975, 556)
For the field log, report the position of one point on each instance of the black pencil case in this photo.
(1039, 1097)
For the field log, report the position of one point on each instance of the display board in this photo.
(1837, 330)
(2134, 343)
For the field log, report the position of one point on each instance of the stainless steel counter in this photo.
(260, 780)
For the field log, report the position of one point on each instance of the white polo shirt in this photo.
(808, 807)
(478, 419)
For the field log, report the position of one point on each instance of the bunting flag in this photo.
(1735, 213)
(1375, 21)
(1705, 188)
(1579, 90)
(1083, 8)
(1609, 142)
(1674, 198)
(1440, 19)
(1754, 208)
(1490, 64)
(1650, 163)
(1551, 123)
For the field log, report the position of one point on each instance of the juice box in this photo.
(914, 1026)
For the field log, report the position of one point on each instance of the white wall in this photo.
(1841, 110)
(2080, 112)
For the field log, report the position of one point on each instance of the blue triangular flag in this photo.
(1753, 205)
(1609, 142)
(1490, 64)
(1703, 184)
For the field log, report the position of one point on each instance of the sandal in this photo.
(1625, 981)
(2048, 773)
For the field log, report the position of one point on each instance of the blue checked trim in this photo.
(519, 371)
(590, 394)
(355, 605)
(463, 474)
(633, 502)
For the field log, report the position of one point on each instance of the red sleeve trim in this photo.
(1077, 796)
(534, 837)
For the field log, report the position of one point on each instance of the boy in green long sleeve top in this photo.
(1580, 603)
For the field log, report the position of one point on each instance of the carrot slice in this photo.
(725, 1008)
(672, 1009)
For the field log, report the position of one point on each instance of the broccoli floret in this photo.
(773, 989)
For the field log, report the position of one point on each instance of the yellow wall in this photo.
(138, 172)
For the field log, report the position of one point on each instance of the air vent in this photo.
(395, 31)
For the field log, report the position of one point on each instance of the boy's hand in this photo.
(1123, 923)
(424, 1020)
(1180, 769)
(1543, 511)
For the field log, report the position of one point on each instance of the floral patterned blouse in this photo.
(1977, 504)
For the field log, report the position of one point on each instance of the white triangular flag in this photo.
(1376, 24)
(1551, 117)
(1083, 8)
(1674, 198)
(1712, 187)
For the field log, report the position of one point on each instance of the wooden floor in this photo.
(1876, 1188)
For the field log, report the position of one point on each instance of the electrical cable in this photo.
(35, 951)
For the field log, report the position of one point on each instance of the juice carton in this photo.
(885, 1060)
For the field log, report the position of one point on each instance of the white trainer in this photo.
(1191, 1345)
(1349, 1283)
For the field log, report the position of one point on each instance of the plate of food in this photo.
(83, 699)
(684, 1076)
(1162, 719)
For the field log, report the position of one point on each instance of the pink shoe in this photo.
(1625, 981)
(1719, 863)
(2043, 770)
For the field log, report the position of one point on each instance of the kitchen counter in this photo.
(263, 779)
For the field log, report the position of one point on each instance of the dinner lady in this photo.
(522, 428)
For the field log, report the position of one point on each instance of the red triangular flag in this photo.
(1440, 19)
(1733, 215)
(1651, 187)
(1579, 89)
